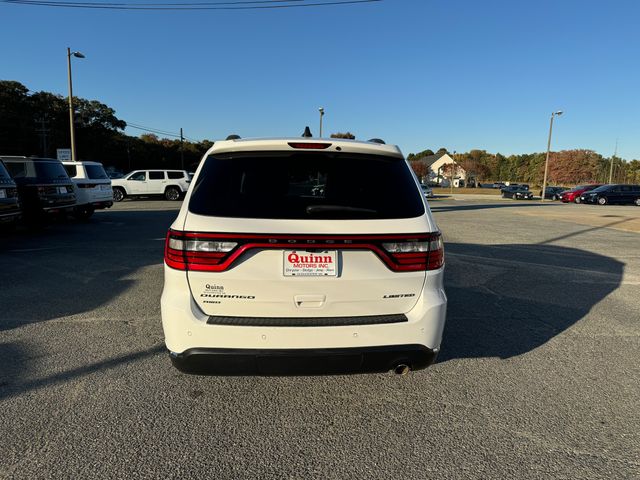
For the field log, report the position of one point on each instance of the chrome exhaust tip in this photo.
(402, 369)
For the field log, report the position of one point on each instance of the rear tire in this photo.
(118, 194)
(172, 194)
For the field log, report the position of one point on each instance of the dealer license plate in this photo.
(3, 193)
(299, 263)
(62, 189)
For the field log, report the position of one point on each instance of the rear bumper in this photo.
(326, 361)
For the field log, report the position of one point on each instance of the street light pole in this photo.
(546, 163)
(321, 110)
(71, 124)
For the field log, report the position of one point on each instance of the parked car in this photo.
(553, 193)
(9, 204)
(620, 194)
(259, 279)
(517, 192)
(172, 184)
(573, 195)
(427, 191)
(43, 186)
(93, 187)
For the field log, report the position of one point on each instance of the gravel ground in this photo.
(538, 376)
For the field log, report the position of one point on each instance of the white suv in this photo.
(170, 183)
(303, 256)
(92, 186)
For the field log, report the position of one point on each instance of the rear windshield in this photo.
(36, 169)
(95, 172)
(306, 185)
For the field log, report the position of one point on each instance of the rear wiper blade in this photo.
(337, 208)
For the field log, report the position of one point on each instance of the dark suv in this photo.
(613, 194)
(43, 185)
(9, 205)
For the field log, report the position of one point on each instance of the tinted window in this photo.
(625, 188)
(95, 172)
(139, 176)
(71, 170)
(306, 186)
(156, 175)
(175, 175)
(3, 172)
(603, 188)
(31, 169)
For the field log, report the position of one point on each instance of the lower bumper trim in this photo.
(326, 361)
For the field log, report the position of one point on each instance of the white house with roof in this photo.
(440, 173)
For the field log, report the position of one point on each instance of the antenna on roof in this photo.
(233, 137)
(377, 140)
(307, 133)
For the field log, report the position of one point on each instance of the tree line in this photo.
(38, 123)
(566, 167)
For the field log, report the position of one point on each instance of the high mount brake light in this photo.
(309, 145)
(217, 252)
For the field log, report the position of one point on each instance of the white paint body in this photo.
(154, 182)
(99, 192)
(358, 289)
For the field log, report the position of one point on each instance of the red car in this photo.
(573, 195)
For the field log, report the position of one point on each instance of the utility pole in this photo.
(181, 149)
(546, 163)
(615, 153)
(71, 126)
(321, 110)
(43, 133)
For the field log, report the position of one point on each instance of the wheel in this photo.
(555, 197)
(577, 200)
(602, 200)
(637, 201)
(172, 193)
(83, 213)
(118, 194)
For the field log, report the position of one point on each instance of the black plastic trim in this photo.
(329, 361)
(306, 321)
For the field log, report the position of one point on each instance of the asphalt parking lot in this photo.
(538, 376)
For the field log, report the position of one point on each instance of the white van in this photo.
(303, 256)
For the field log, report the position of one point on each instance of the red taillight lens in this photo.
(417, 254)
(217, 252)
(309, 145)
(191, 252)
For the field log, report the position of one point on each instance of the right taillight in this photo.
(416, 254)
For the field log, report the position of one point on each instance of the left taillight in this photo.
(190, 252)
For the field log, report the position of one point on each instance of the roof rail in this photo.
(377, 140)
(233, 137)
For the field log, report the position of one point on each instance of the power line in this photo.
(179, 6)
(152, 130)
(124, 4)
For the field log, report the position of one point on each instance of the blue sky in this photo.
(421, 74)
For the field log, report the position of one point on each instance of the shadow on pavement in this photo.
(68, 269)
(436, 208)
(506, 300)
